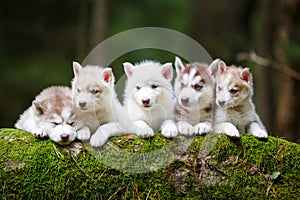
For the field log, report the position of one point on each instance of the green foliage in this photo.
(214, 167)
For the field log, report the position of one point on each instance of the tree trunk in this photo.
(98, 28)
(82, 30)
(288, 98)
(263, 75)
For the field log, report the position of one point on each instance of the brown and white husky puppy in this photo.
(235, 112)
(52, 115)
(194, 89)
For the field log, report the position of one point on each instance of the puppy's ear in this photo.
(76, 68)
(128, 68)
(213, 67)
(179, 66)
(246, 75)
(167, 71)
(39, 107)
(107, 76)
(222, 67)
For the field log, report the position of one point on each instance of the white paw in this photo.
(169, 130)
(257, 131)
(203, 127)
(227, 128)
(98, 139)
(260, 133)
(83, 133)
(185, 128)
(39, 133)
(144, 132)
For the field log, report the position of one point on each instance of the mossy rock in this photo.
(208, 167)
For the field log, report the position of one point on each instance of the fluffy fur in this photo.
(51, 114)
(194, 88)
(235, 111)
(94, 96)
(148, 96)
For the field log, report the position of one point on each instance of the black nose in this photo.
(82, 104)
(145, 101)
(221, 103)
(185, 100)
(64, 137)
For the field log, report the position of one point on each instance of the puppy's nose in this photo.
(82, 104)
(145, 101)
(64, 137)
(184, 100)
(221, 103)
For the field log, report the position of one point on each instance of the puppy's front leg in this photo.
(227, 128)
(169, 128)
(104, 132)
(203, 127)
(185, 128)
(83, 133)
(257, 131)
(143, 130)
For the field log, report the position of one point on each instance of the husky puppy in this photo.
(51, 114)
(95, 98)
(194, 89)
(235, 111)
(149, 96)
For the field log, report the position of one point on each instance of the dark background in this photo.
(40, 39)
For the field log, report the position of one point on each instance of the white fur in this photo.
(94, 96)
(150, 82)
(235, 111)
(42, 120)
(193, 117)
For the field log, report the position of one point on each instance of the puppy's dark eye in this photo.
(71, 124)
(233, 91)
(78, 90)
(154, 86)
(55, 123)
(138, 87)
(95, 91)
(198, 87)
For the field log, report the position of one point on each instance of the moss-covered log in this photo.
(212, 167)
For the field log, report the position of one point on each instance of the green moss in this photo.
(203, 167)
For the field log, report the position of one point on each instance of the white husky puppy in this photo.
(149, 96)
(51, 114)
(194, 89)
(94, 96)
(235, 111)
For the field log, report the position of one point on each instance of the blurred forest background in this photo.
(40, 39)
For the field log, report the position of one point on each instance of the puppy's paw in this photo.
(227, 128)
(257, 131)
(98, 139)
(203, 127)
(169, 130)
(39, 133)
(185, 128)
(144, 132)
(260, 133)
(84, 133)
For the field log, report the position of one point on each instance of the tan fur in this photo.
(235, 111)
